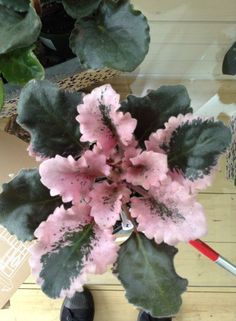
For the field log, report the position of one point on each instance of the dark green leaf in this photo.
(48, 113)
(194, 147)
(64, 262)
(17, 5)
(80, 8)
(154, 109)
(20, 66)
(152, 283)
(2, 94)
(229, 63)
(24, 203)
(116, 37)
(18, 30)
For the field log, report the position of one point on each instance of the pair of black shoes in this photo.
(81, 308)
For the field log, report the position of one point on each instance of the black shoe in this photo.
(78, 308)
(144, 316)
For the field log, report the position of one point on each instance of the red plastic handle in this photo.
(205, 249)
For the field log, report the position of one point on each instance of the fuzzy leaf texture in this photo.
(20, 66)
(154, 109)
(152, 284)
(195, 147)
(48, 113)
(17, 5)
(18, 30)
(70, 246)
(116, 37)
(24, 203)
(63, 263)
(2, 94)
(80, 8)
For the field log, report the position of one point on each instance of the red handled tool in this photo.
(213, 255)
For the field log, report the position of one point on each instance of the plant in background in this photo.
(230, 155)
(229, 62)
(145, 158)
(101, 33)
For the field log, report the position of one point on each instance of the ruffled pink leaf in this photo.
(106, 202)
(162, 136)
(170, 215)
(148, 169)
(101, 122)
(197, 184)
(70, 178)
(69, 246)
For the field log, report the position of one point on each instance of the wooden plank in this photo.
(190, 264)
(208, 307)
(203, 306)
(219, 183)
(220, 212)
(191, 10)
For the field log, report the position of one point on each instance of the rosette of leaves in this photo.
(193, 149)
(106, 34)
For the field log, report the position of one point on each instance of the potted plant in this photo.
(99, 33)
(145, 158)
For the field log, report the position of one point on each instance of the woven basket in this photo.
(78, 82)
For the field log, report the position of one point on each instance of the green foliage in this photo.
(195, 146)
(80, 8)
(17, 5)
(18, 30)
(229, 62)
(116, 37)
(154, 109)
(2, 94)
(64, 262)
(20, 66)
(24, 203)
(152, 283)
(107, 34)
(48, 113)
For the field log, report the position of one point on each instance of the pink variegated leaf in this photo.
(38, 157)
(101, 122)
(169, 215)
(106, 202)
(70, 178)
(70, 246)
(147, 169)
(162, 136)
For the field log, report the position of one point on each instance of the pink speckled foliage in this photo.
(116, 175)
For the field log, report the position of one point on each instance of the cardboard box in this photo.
(14, 268)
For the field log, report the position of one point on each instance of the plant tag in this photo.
(126, 224)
